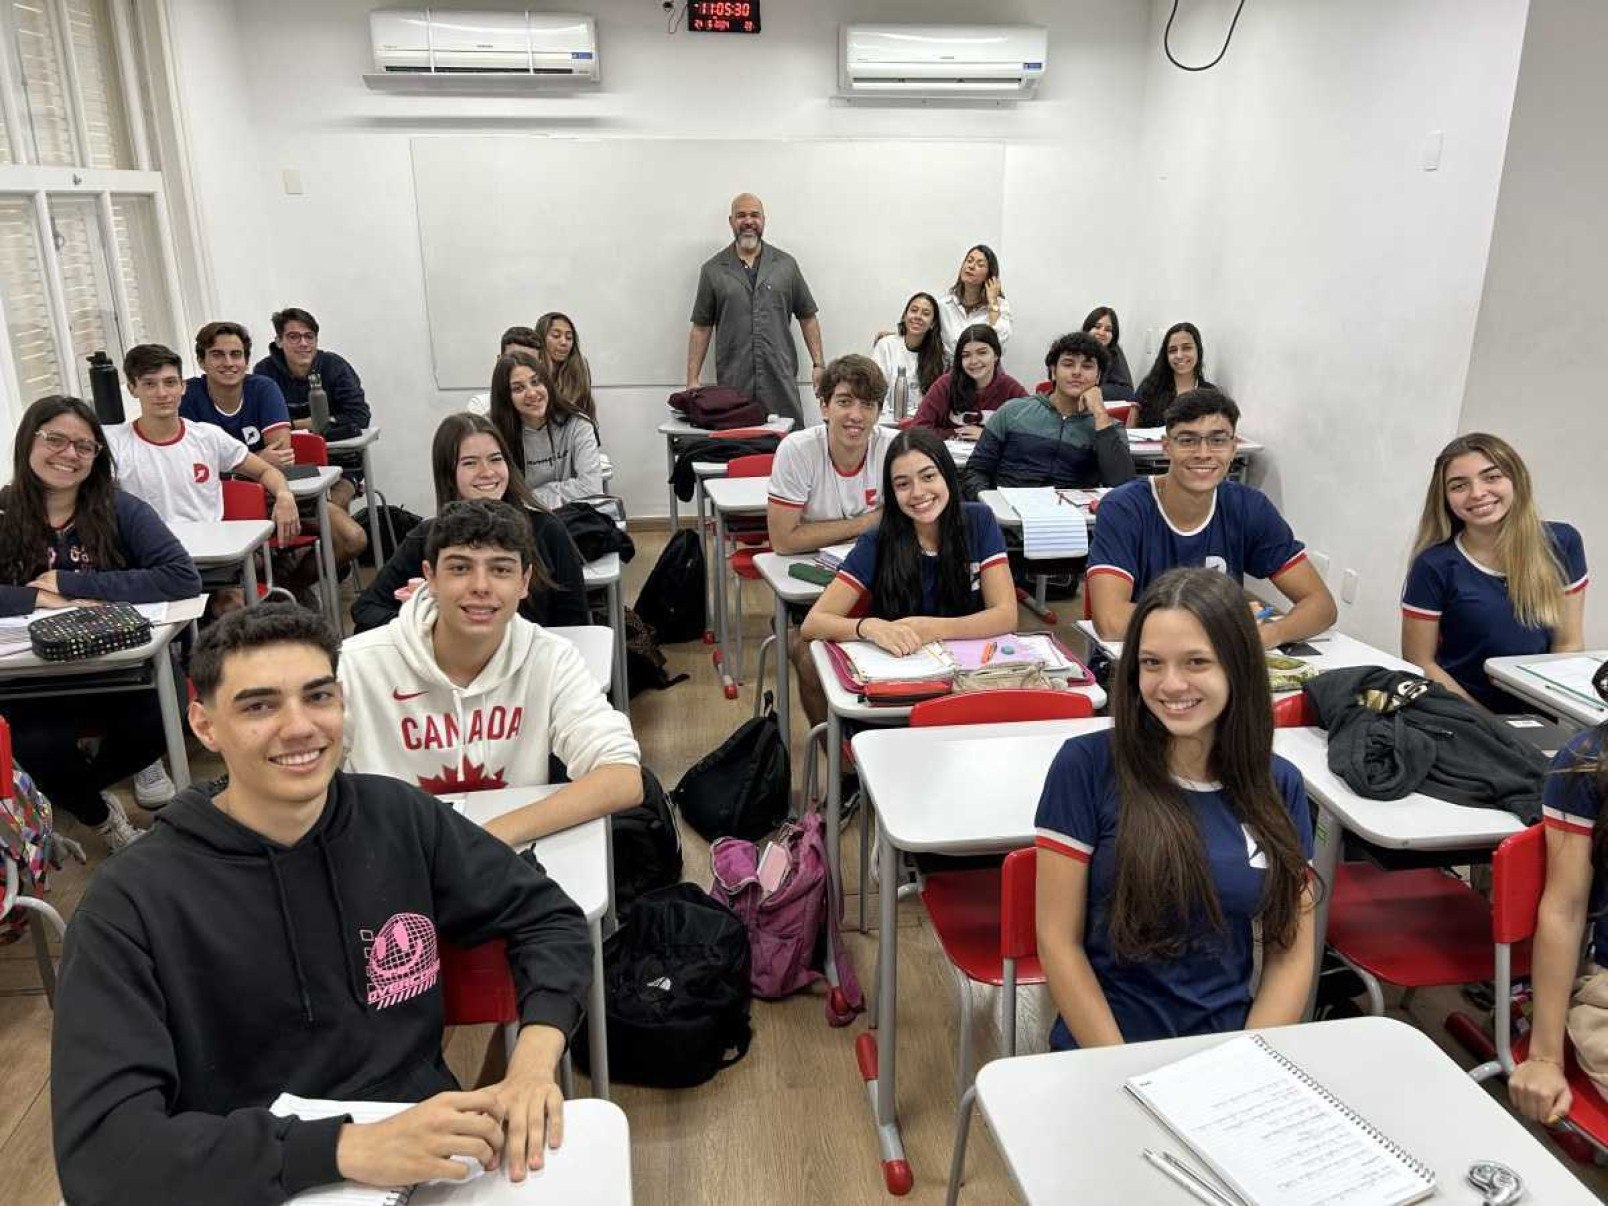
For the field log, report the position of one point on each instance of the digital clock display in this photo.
(723, 16)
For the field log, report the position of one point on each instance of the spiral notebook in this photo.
(1276, 1136)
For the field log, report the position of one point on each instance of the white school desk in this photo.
(729, 496)
(318, 488)
(592, 1168)
(1414, 822)
(597, 649)
(1336, 651)
(25, 676)
(1512, 674)
(842, 704)
(786, 590)
(676, 430)
(605, 574)
(226, 542)
(1150, 460)
(1068, 1129)
(363, 442)
(577, 860)
(967, 789)
(1005, 515)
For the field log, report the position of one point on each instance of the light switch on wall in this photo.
(1348, 586)
(293, 182)
(1432, 150)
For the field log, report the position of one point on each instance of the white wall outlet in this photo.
(1433, 142)
(293, 182)
(1320, 562)
(1348, 586)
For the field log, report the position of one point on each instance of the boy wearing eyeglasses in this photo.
(1192, 515)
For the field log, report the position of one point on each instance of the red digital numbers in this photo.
(723, 16)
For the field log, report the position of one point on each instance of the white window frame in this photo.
(37, 181)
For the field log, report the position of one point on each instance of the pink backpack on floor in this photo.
(784, 927)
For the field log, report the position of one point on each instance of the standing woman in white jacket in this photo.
(976, 296)
(554, 445)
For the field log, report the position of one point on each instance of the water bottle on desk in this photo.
(317, 403)
(901, 396)
(105, 389)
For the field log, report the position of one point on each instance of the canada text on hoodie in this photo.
(535, 697)
(209, 968)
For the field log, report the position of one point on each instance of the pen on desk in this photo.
(1267, 612)
(1187, 1178)
(988, 653)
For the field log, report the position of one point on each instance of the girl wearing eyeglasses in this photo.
(1175, 844)
(68, 534)
(1489, 577)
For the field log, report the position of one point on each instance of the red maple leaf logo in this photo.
(472, 778)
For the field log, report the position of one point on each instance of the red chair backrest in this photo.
(1294, 712)
(1518, 874)
(758, 465)
(244, 500)
(1044, 387)
(1018, 923)
(1119, 410)
(997, 707)
(309, 448)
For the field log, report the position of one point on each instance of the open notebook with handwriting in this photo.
(1276, 1136)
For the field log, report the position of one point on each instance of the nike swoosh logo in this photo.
(404, 696)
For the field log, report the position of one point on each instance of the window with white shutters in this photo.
(44, 82)
(22, 291)
(87, 261)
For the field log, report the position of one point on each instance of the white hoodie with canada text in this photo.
(405, 718)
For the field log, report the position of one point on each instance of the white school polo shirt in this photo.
(804, 477)
(181, 478)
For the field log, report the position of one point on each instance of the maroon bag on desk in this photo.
(718, 408)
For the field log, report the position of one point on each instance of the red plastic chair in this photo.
(745, 540)
(984, 918)
(1518, 877)
(477, 988)
(248, 500)
(309, 448)
(1416, 929)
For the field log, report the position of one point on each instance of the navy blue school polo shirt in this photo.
(1206, 990)
(859, 568)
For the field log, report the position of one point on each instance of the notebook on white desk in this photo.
(1273, 1134)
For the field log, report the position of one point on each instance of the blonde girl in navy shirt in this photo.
(1175, 842)
(1489, 577)
(934, 568)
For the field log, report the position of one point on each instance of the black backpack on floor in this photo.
(644, 662)
(676, 982)
(742, 788)
(647, 845)
(395, 523)
(672, 600)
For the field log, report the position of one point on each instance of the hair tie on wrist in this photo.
(857, 624)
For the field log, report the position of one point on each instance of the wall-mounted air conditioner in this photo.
(551, 47)
(989, 62)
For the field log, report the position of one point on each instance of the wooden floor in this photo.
(788, 1125)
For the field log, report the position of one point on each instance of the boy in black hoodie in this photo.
(279, 932)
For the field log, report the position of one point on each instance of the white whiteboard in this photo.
(613, 231)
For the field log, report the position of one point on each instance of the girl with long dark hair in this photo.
(974, 388)
(469, 459)
(1577, 858)
(1117, 381)
(934, 568)
(917, 347)
(67, 533)
(1179, 367)
(554, 445)
(1173, 844)
(976, 297)
(1489, 577)
(561, 355)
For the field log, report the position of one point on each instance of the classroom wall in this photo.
(1283, 208)
(1534, 377)
(348, 247)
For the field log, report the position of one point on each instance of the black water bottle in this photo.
(105, 389)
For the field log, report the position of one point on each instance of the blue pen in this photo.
(1267, 613)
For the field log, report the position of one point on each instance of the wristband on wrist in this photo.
(857, 624)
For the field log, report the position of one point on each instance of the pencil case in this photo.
(804, 570)
(902, 693)
(87, 632)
